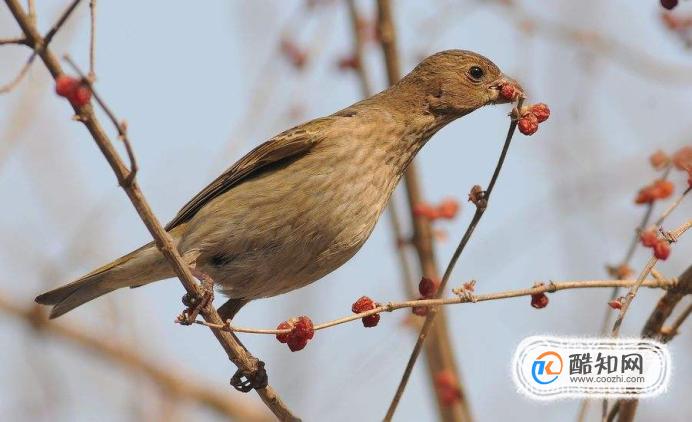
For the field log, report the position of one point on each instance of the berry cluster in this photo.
(427, 289)
(661, 247)
(531, 116)
(447, 209)
(659, 189)
(75, 90)
(301, 331)
(365, 304)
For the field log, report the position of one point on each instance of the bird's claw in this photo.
(195, 303)
(247, 381)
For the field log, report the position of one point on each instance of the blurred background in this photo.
(200, 84)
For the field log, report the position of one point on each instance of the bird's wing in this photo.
(289, 144)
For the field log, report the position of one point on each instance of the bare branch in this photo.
(234, 349)
(464, 297)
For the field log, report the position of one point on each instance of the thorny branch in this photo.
(85, 114)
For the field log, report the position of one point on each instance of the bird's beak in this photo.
(496, 92)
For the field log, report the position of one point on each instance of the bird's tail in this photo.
(142, 266)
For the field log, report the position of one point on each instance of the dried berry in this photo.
(648, 238)
(541, 111)
(302, 330)
(528, 124)
(427, 287)
(283, 338)
(348, 63)
(365, 304)
(539, 300)
(508, 92)
(662, 249)
(662, 189)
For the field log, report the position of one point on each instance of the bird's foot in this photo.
(195, 303)
(247, 381)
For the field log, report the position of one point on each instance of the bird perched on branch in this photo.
(300, 205)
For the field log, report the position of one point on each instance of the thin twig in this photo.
(16, 41)
(461, 297)
(234, 349)
(653, 328)
(92, 40)
(439, 353)
(480, 209)
(39, 44)
(120, 126)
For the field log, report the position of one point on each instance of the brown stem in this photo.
(439, 352)
(234, 349)
(653, 329)
(480, 209)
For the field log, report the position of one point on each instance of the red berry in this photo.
(539, 300)
(370, 320)
(80, 96)
(420, 310)
(348, 63)
(669, 4)
(301, 331)
(363, 304)
(528, 124)
(648, 238)
(682, 159)
(616, 303)
(541, 111)
(423, 209)
(659, 160)
(507, 91)
(662, 189)
(447, 387)
(427, 287)
(448, 209)
(645, 196)
(65, 85)
(662, 249)
(283, 338)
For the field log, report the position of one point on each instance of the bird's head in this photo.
(457, 82)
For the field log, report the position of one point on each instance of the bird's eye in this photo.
(476, 72)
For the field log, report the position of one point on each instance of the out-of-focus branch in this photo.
(653, 328)
(167, 378)
(439, 352)
(234, 349)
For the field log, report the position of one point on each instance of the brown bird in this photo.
(300, 205)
